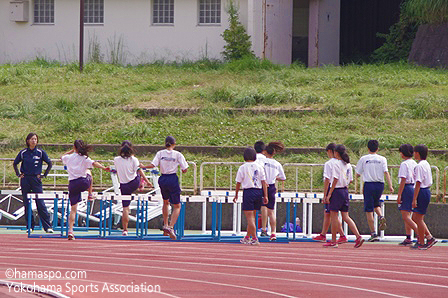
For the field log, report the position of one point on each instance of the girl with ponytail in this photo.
(78, 165)
(337, 197)
(130, 176)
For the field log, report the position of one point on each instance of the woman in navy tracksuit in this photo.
(30, 178)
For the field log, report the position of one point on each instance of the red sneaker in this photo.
(359, 242)
(342, 239)
(331, 244)
(320, 238)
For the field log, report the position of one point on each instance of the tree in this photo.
(238, 44)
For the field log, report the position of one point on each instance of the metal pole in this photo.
(81, 35)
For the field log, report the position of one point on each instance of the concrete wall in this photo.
(324, 31)
(129, 21)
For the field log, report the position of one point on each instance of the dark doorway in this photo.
(300, 31)
(361, 20)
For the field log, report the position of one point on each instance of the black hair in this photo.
(250, 154)
(343, 153)
(259, 146)
(331, 147)
(407, 150)
(422, 150)
(169, 141)
(126, 149)
(29, 136)
(373, 145)
(82, 148)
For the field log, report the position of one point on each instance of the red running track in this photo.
(182, 269)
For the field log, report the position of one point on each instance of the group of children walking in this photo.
(413, 194)
(257, 178)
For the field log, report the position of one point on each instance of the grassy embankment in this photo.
(395, 103)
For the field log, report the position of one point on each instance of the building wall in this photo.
(128, 22)
(324, 32)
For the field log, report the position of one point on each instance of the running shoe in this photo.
(172, 234)
(359, 241)
(49, 231)
(405, 242)
(383, 224)
(264, 233)
(245, 240)
(430, 243)
(166, 231)
(419, 246)
(320, 238)
(125, 233)
(331, 244)
(342, 239)
(273, 237)
(254, 242)
(373, 238)
(70, 236)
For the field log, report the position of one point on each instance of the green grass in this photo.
(395, 103)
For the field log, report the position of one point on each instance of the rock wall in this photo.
(430, 47)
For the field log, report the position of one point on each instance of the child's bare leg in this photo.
(334, 225)
(264, 218)
(165, 212)
(351, 224)
(71, 220)
(421, 226)
(125, 218)
(326, 223)
(250, 218)
(272, 220)
(174, 214)
(409, 224)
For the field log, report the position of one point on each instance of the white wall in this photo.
(324, 31)
(129, 20)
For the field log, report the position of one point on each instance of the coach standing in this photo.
(30, 178)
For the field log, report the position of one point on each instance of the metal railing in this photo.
(55, 175)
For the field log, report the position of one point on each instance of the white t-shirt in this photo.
(126, 168)
(407, 171)
(422, 174)
(169, 160)
(261, 159)
(343, 172)
(328, 168)
(273, 170)
(250, 175)
(77, 165)
(372, 167)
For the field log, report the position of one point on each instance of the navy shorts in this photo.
(76, 187)
(128, 189)
(252, 199)
(423, 199)
(169, 187)
(339, 200)
(406, 198)
(372, 194)
(271, 197)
